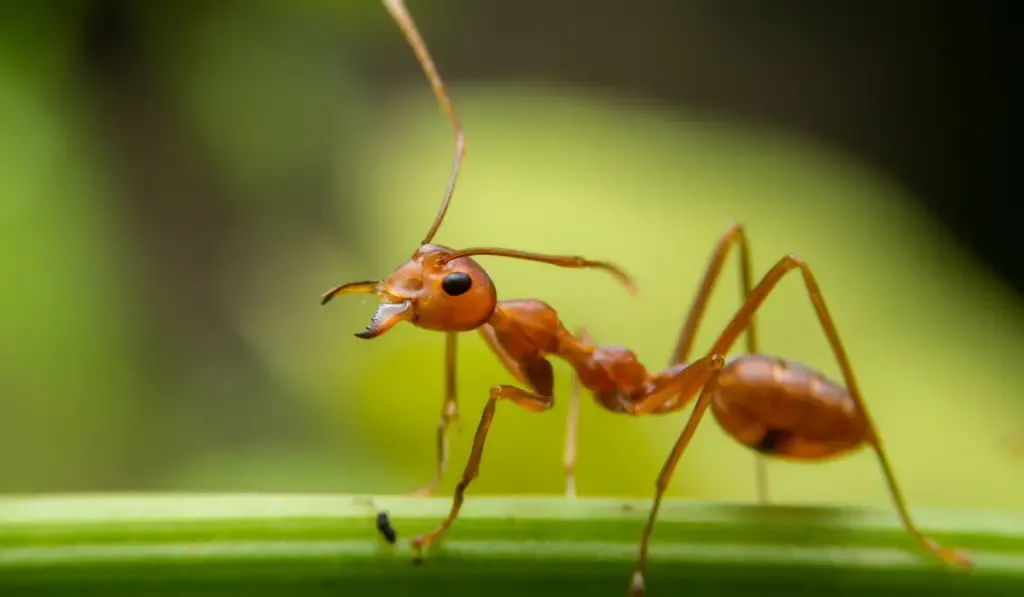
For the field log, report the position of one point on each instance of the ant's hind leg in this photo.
(742, 318)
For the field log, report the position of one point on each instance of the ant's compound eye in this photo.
(456, 283)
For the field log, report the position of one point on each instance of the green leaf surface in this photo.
(329, 545)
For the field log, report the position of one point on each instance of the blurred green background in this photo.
(180, 183)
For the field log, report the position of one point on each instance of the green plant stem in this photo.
(328, 545)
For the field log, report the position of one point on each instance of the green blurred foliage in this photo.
(86, 400)
(67, 352)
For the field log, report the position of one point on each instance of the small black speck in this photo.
(385, 528)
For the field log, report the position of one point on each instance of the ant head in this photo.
(434, 290)
(438, 288)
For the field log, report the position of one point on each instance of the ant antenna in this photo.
(412, 35)
(569, 261)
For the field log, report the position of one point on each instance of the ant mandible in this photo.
(776, 407)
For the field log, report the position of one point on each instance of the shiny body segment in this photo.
(786, 410)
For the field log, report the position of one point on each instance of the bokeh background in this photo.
(179, 182)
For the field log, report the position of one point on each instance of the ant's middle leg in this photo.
(735, 235)
(572, 425)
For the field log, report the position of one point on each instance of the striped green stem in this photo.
(297, 546)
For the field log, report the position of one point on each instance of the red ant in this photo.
(778, 408)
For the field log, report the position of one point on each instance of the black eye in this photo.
(457, 283)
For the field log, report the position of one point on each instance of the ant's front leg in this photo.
(530, 401)
(528, 367)
(518, 371)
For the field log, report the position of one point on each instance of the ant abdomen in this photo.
(786, 409)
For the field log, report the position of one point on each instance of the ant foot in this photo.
(636, 588)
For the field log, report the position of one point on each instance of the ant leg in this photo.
(952, 556)
(706, 394)
(449, 415)
(767, 284)
(572, 422)
(539, 375)
(572, 425)
(528, 400)
(733, 236)
(725, 342)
